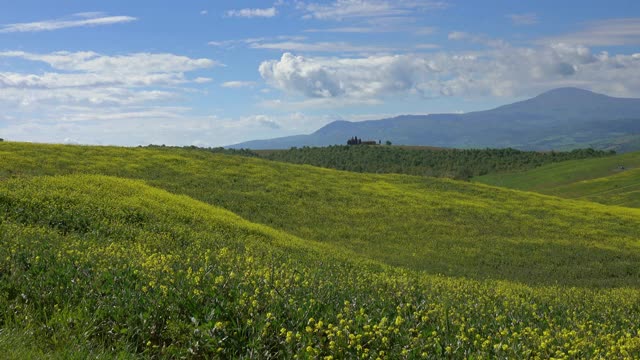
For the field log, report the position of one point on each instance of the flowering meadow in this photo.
(152, 253)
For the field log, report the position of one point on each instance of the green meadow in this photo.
(611, 180)
(181, 253)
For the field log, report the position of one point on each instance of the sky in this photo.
(212, 73)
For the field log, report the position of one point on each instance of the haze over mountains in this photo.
(560, 119)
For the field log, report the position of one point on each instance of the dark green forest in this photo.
(451, 163)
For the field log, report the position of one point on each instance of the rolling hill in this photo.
(609, 180)
(376, 215)
(152, 252)
(560, 119)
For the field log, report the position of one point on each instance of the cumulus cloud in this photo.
(338, 77)
(76, 20)
(252, 13)
(504, 71)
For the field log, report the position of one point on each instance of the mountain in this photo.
(559, 119)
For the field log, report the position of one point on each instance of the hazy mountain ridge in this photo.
(559, 119)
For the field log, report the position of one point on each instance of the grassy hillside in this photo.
(181, 253)
(437, 226)
(95, 266)
(601, 180)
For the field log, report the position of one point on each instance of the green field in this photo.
(152, 252)
(601, 180)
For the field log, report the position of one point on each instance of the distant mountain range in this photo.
(559, 119)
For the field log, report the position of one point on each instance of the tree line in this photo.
(461, 164)
(452, 163)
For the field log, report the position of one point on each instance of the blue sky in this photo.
(212, 73)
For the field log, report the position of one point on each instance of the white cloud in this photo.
(338, 77)
(238, 84)
(611, 32)
(204, 12)
(113, 95)
(202, 80)
(76, 20)
(476, 38)
(87, 78)
(458, 35)
(523, 19)
(156, 125)
(250, 41)
(136, 63)
(425, 30)
(261, 120)
(319, 47)
(370, 29)
(427, 46)
(27, 99)
(252, 13)
(318, 103)
(504, 71)
(349, 9)
(298, 43)
(349, 29)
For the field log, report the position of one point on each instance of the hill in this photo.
(560, 119)
(153, 252)
(463, 229)
(611, 180)
(100, 267)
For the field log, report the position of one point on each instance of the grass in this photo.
(147, 253)
(463, 229)
(600, 180)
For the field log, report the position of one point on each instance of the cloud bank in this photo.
(501, 71)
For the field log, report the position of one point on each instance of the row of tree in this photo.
(452, 163)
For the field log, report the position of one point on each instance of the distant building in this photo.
(357, 141)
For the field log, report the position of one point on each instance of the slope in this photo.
(610, 180)
(560, 119)
(101, 267)
(433, 225)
